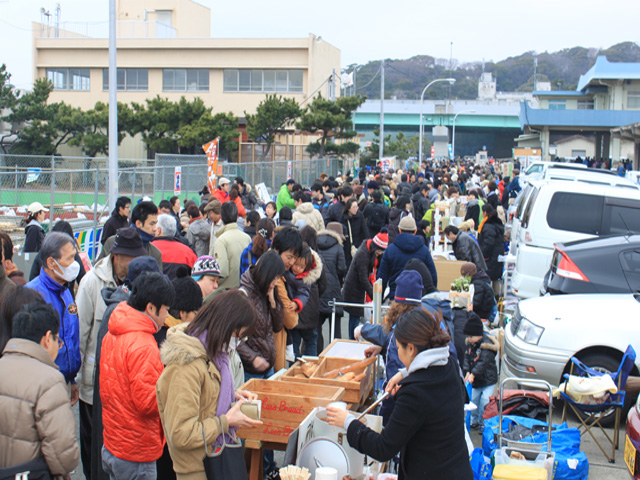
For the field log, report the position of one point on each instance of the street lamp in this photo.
(451, 82)
(453, 136)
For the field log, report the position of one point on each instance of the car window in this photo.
(621, 219)
(523, 201)
(576, 212)
(526, 214)
(630, 261)
(534, 169)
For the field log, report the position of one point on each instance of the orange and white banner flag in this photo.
(211, 149)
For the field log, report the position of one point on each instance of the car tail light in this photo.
(568, 269)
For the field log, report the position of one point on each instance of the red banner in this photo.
(211, 149)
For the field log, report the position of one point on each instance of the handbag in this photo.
(36, 469)
(225, 462)
(354, 249)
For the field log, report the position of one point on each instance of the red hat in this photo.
(381, 240)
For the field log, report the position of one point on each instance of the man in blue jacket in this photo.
(406, 246)
(59, 268)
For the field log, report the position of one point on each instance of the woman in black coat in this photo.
(330, 249)
(491, 240)
(357, 283)
(355, 227)
(427, 422)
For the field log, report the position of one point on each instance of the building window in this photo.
(557, 105)
(129, 79)
(585, 104)
(633, 99)
(270, 81)
(185, 80)
(69, 78)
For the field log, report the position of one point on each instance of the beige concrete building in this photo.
(164, 48)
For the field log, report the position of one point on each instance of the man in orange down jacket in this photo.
(129, 370)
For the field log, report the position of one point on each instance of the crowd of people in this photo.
(188, 300)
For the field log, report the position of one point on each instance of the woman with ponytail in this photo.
(427, 422)
(260, 243)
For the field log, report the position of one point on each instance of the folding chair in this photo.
(595, 413)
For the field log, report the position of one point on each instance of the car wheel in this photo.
(604, 363)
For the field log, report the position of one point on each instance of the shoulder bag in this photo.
(225, 462)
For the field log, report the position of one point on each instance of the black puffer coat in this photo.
(358, 229)
(317, 278)
(467, 249)
(483, 298)
(480, 359)
(357, 283)
(270, 320)
(332, 254)
(491, 241)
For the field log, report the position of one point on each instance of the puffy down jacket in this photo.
(129, 370)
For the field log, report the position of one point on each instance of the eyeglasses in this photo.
(60, 342)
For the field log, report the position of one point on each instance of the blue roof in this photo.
(603, 69)
(576, 118)
(558, 93)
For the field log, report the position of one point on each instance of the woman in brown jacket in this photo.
(195, 390)
(258, 353)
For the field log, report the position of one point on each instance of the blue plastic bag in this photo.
(571, 463)
(481, 465)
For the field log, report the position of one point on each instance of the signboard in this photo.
(211, 149)
(262, 192)
(386, 163)
(433, 151)
(289, 170)
(33, 174)
(177, 181)
(450, 152)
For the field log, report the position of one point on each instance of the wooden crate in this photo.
(294, 373)
(355, 392)
(285, 405)
(348, 349)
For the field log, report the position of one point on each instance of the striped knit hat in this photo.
(381, 240)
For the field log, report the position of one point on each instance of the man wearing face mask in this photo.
(129, 370)
(59, 268)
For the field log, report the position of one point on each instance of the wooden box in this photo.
(295, 374)
(348, 349)
(356, 392)
(285, 405)
(448, 271)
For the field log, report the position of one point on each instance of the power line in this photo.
(370, 81)
(17, 28)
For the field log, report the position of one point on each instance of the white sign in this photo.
(262, 192)
(177, 181)
(289, 170)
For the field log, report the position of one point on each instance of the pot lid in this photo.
(323, 452)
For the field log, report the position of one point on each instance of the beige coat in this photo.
(310, 215)
(35, 413)
(91, 308)
(187, 393)
(227, 250)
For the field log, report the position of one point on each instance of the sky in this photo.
(368, 30)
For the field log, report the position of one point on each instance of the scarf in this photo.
(146, 237)
(482, 224)
(227, 389)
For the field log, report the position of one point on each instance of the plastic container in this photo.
(533, 458)
(518, 472)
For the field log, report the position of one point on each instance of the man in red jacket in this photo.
(129, 369)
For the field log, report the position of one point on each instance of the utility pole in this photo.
(113, 109)
(381, 149)
(333, 85)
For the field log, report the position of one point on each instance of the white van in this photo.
(537, 170)
(566, 210)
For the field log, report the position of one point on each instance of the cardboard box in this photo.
(341, 348)
(448, 271)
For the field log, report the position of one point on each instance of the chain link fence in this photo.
(76, 188)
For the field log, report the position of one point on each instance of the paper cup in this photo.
(338, 405)
(326, 473)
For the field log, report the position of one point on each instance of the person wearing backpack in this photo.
(376, 214)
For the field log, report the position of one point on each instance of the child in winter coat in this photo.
(479, 366)
(297, 289)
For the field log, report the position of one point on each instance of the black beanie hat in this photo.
(188, 293)
(473, 327)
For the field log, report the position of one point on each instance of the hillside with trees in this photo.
(405, 79)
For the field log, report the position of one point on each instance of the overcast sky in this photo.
(369, 30)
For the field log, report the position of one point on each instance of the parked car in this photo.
(537, 170)
(601, 265)
(587, 205)
(547, 331)
(632, 441)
